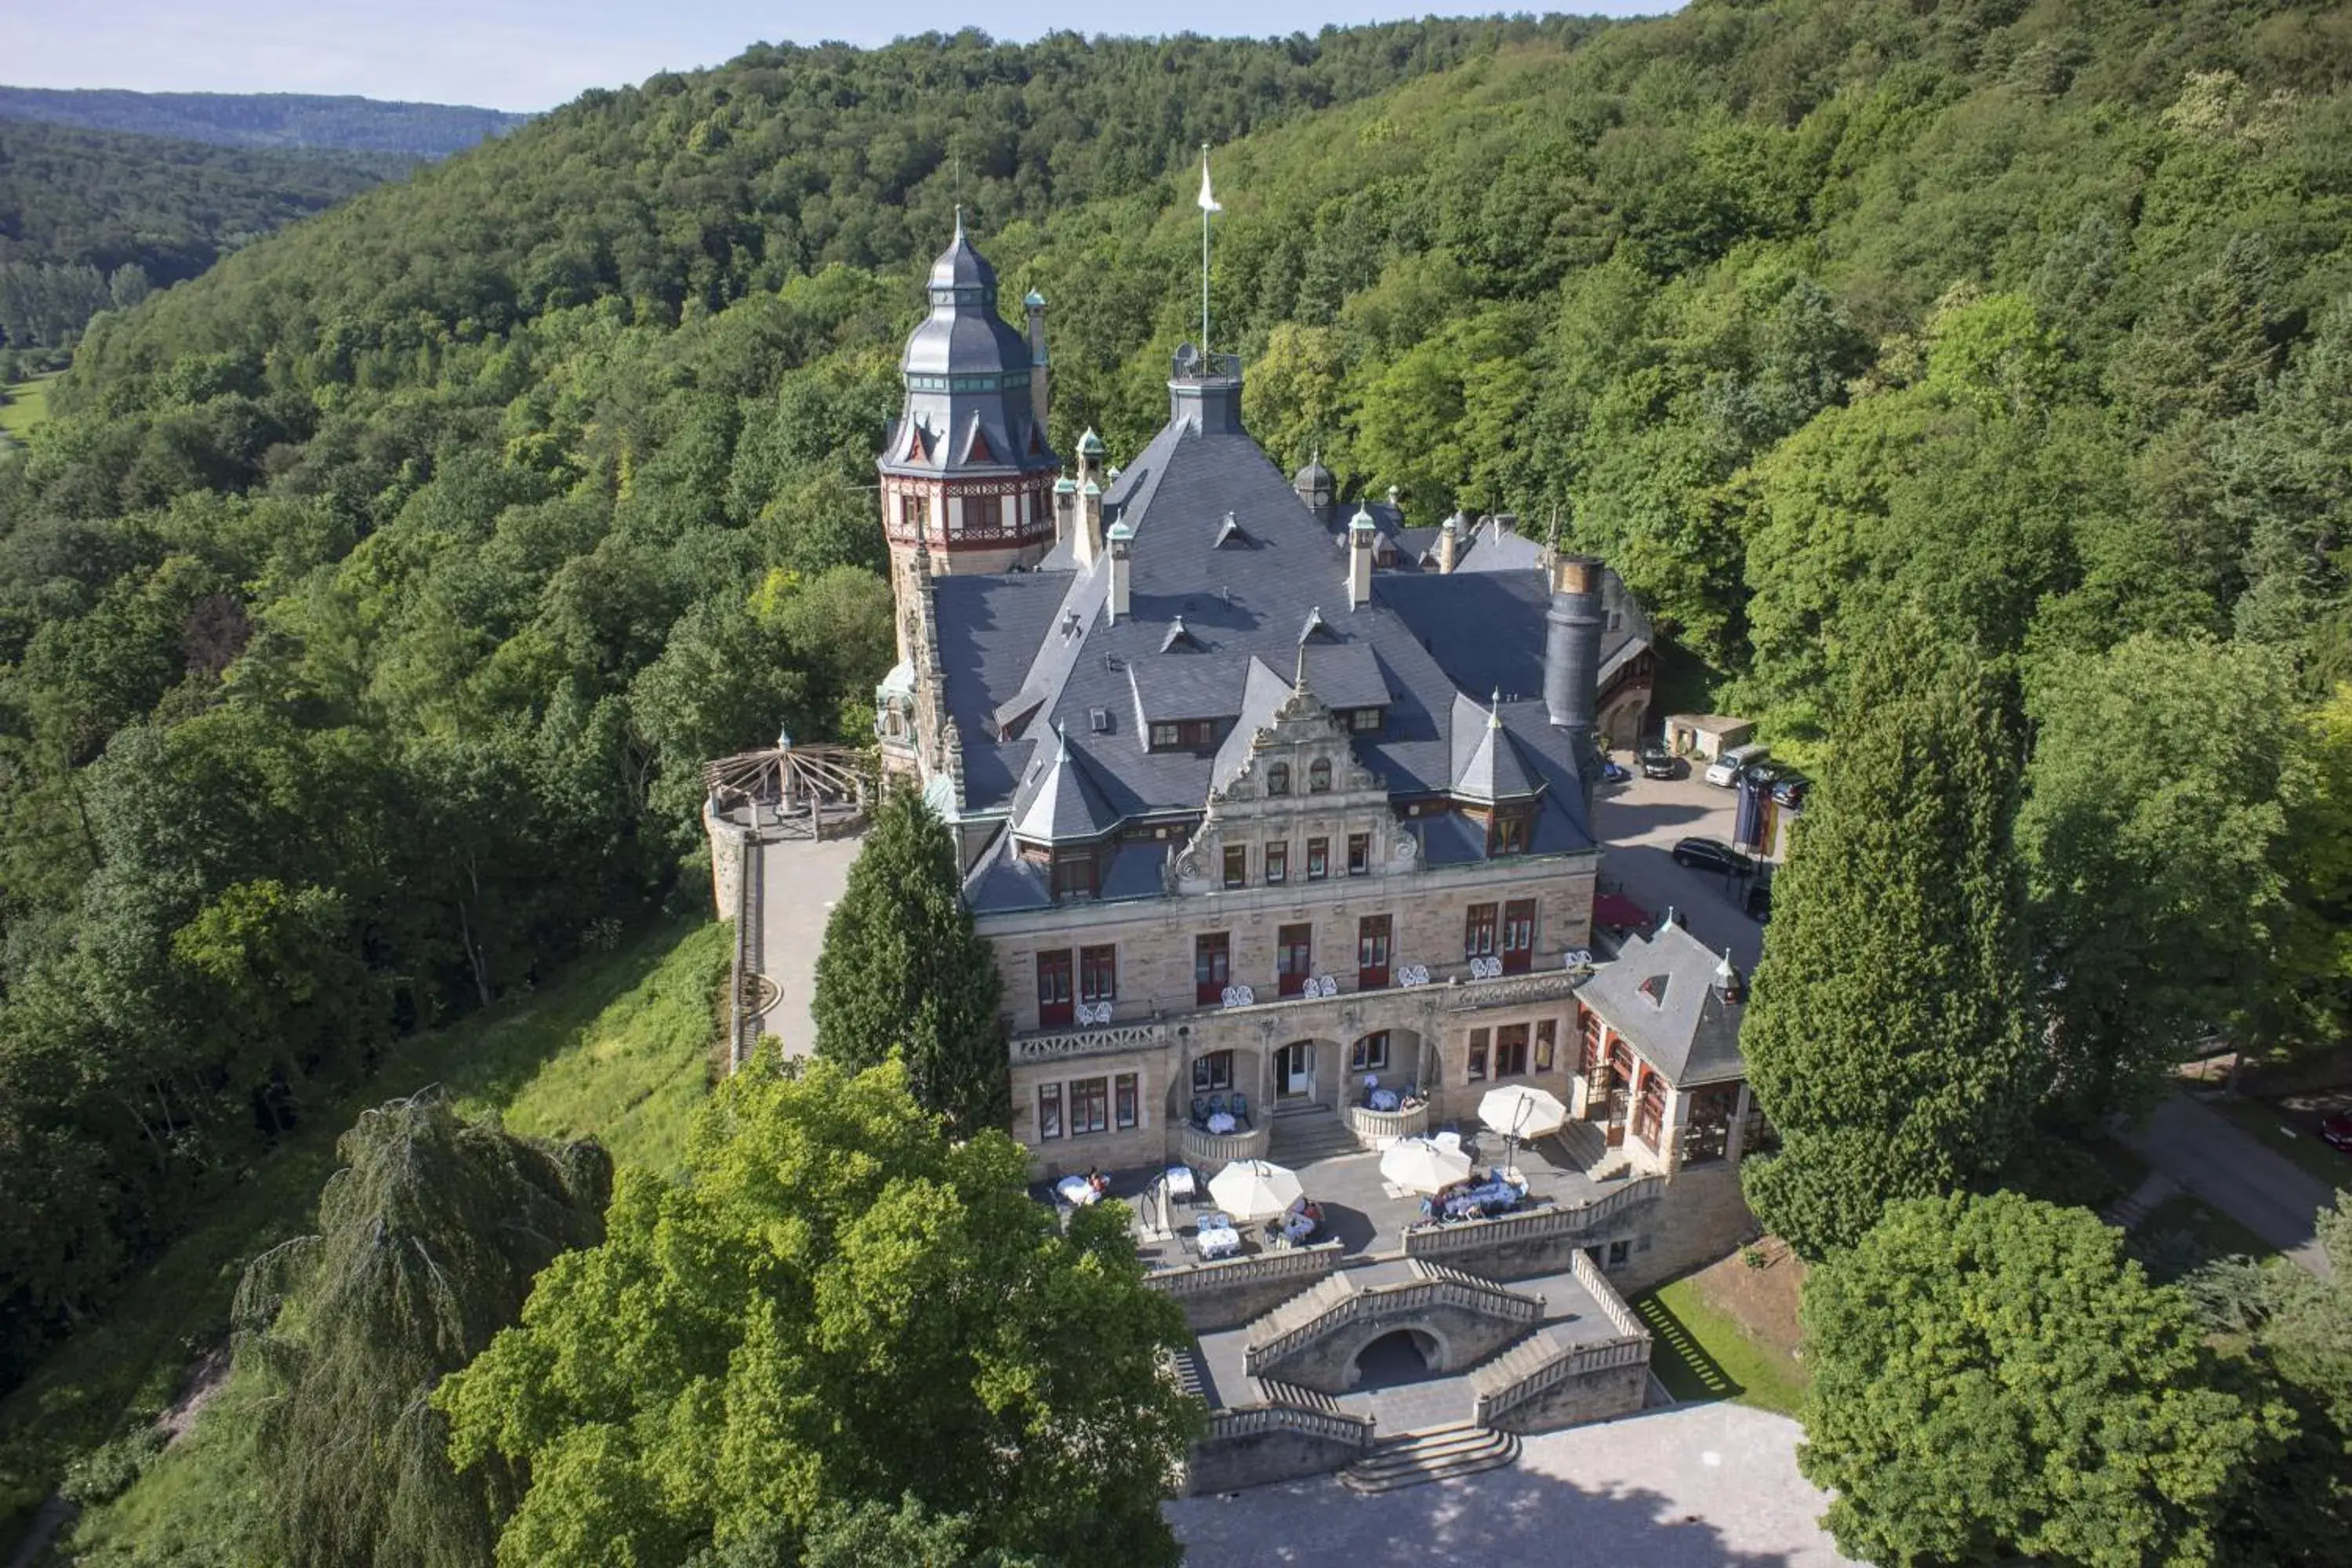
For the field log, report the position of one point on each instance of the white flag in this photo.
(1207, 201)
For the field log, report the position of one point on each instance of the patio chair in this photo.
(1216, 1103)
(1200, 1110)
(1241, 1108)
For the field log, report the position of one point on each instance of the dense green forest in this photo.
(368, 607)
(93, 220)
(412, 131)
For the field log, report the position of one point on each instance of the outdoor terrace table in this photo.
(1384, 1099)
(1077, 1192)
(1221, 1122)
(1219, 1241)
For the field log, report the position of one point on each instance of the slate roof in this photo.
(1662, 994)
(1058, 801)
(1420, 644)
(1487, 765)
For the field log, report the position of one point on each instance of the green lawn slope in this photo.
(620, 1048)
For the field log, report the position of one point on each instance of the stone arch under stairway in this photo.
(1401, 1355)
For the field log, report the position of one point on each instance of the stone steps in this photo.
(1302, 1309)
(1302, 1140)
(1588, 1145)
(1191, 1375)
(1298, 1398)
(1438, 1455)
(1523, 1357)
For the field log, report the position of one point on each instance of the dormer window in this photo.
(1509, 836)
(1364, 721)
(1277, 779)
(1319, 777)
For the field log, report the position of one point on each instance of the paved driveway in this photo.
(1698, 1486)
(802, 879)
(1639, 822)
(2229, 1168)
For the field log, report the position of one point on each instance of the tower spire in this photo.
(1208, 205)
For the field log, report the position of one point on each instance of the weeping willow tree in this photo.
(429, 1236)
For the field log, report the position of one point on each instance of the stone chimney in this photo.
(1122, 543)
(1361, 531)
(1090, 547)
(1449, 541)
(1572, 659)
(1066, 509)
(1035, 305)
(1729, 984)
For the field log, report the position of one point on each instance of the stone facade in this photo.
(1599, 1395)
(1262, 1453)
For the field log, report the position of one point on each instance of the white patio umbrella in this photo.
(1418, 1165)
(1254, 1190)
(1520, 1113)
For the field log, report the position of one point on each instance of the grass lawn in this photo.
(25, 404)
(2292, 1135)
(620, 1047)
(2214, 1231)
(1700, 1352)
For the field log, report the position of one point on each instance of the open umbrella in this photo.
(1254, 1189)
(1520, 1113)
(1418, 1165)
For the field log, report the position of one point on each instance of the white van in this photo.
(1725, 770)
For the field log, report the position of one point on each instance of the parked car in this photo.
(2336, 1128)
(1757, 903)
(1613, 773)
(1789, 789)
(1658, 763)
(1712, 855)
(1726, 766)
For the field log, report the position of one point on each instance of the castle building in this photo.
(1267, 805)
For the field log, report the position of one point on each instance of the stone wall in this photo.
(1594, 1396)
(730, 843)
(1454, 1337)
(1259, 1459)
(1698, 1217)
(1240, 1291)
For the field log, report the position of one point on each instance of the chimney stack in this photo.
(1361, 531)
(1572, 658)
(1036, 304)
(1122, 540)
(1066, 510)
(1449, 541)
(1090, 535)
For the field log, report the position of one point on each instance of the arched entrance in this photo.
(1295, 1072)
(1400, 1355)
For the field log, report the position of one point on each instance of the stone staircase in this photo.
(1437, 1455)
(1536, 1350)
(1191, 1375)
(1303, 1308)
(1302, 1138)
(1588, 1145)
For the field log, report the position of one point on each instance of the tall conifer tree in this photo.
(902, 969)
(1890, 1038)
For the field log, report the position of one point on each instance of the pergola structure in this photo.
(801, 791)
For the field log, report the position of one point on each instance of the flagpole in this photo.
(1204, 257)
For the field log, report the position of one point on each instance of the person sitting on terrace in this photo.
(1097, 1181)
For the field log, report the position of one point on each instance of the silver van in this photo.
(1725, 770)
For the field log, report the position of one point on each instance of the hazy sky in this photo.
(534, 54)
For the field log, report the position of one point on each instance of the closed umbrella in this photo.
(1255, 1189)
(1520, 1113)
(1418, 1165)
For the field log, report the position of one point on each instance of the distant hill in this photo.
(94, 219)
(265, 119)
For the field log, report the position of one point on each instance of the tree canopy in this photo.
(904, 972)
(840, 1305)
(1994, 1378)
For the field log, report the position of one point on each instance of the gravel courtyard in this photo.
(1695, 1487)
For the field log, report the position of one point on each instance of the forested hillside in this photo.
(265, 119)
(93, 220)
(367, 610)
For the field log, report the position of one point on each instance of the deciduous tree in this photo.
(1993, 1378)
(840, 1305)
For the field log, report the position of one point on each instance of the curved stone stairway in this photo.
(1437, 1455)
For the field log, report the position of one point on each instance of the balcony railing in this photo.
(1133, 1021)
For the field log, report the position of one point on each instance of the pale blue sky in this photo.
(534, 54)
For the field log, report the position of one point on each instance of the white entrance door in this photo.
(1294, 1069)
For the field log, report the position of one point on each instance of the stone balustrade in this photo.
(1379, 1128)
(1473, 1235)
(1209, 1152)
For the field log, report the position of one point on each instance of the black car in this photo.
(1712, 855)
(1658, 763)
(1756, 903)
